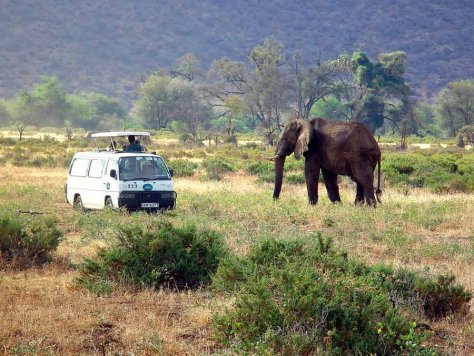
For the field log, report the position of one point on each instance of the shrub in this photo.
(182, 168)
(162, 257)
(266, 177)
(39, 161)
(446, 172)
(295, 298)
(295, 178)
(441, 297)
(260, 167)
(7, 141)
(215, 167)
(27, 241)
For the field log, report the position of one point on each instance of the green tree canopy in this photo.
(163, 99)
(455, 105)
(5, 116)
(95, 111)
(376, 91)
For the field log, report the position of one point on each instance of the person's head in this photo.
(131, 138)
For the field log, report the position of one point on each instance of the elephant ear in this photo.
(303, 138)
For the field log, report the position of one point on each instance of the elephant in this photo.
(335, 148)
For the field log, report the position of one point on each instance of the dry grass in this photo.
(42, 311)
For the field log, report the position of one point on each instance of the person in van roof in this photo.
(134, 146)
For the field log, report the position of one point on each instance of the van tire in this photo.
(108, 203)
(78, 203)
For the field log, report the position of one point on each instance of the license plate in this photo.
(150, 205)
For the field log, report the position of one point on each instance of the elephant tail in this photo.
(378, 192)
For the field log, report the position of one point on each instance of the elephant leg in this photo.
(311, 173)
(330, 180)
(364, 176)
(359, 199)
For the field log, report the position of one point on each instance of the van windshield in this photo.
(142, 168)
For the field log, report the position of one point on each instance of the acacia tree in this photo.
(455, 105)
(312, 84)
(163, 99)
(265, 89)
(50, 102)
(191, 111)
(45, 105)
(23, 112)
(383, 93)
(372, 92)
(95, 111)
(270, 94)
(236, 109)
(5, 117)
(187, 67)
(154, 106)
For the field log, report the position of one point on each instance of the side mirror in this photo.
(171, 173)
(113, 173)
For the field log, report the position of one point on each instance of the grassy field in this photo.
(44, 311)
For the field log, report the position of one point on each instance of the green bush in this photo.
(217, 166)
(27, 241)
(165, 256)
(39, 161)
(260, 167)
(439, 172)
(295, 298)
(182, 168)
(441, 297)
(295, 178)
(7, 141)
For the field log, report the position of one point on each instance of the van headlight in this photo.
(127, 195)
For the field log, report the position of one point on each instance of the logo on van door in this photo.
(107, 186)
(147, 187)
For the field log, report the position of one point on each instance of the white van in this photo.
(116, 179)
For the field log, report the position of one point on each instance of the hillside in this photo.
(107, 45)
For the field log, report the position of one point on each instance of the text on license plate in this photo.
(150, 205)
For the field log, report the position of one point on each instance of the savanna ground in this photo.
(44, 311)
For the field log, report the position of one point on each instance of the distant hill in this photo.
(107, 45)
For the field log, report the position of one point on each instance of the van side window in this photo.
(97, 165)
(111, 164)
(79, 167)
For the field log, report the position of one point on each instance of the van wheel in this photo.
(78, 203)
(108, 203)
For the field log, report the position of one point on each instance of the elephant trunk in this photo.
(279, 165)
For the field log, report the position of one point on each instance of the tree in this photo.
(236, 109)
(383, 92)
(5, 117)
(95, 111)
(467, 132)
(270, 89)
(312, 84)
(455, 105)
(187, 67)
(373, 92)
(424, 122)
(191, 111)
(49, 102)
(23, 111)
(329, 107)
(163, 99)
(154, 106)
(265, 90)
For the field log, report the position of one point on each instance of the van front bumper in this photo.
(133, 200)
